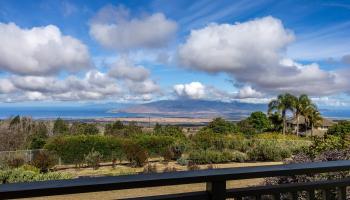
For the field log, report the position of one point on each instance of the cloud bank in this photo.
(40, 51)
(253, 53)
(114, 28)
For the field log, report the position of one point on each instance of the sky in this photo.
(69, 52)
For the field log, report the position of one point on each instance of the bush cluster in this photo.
(78, 149)
(214, 156)
(29, 174)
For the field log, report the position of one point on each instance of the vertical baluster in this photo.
(294, 195)
(327, 194)
(217, 190)
(342, 193)
(311, 194)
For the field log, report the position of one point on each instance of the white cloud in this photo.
(253, 53)
(40, 51)
(248, 92)
(193, 90)
(124, 68)
(113, 28)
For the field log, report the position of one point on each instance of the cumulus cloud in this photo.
(40, 51)
(114, 28)
(124, 68)
(193, 90)
(248, 92)
(253, 53)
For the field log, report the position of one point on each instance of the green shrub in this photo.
(340, 129)
(208, 140)
(238, 156)
(221, 126)
(269, 150)
(73, 149)
(182, 161)
(93, 159)
(154, 145)
(210, 156)
(324, 144)
(169, 130)
(28, 175)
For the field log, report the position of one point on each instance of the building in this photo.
(304, 129)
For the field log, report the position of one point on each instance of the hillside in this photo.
(193, 108)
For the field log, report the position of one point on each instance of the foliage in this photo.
(259, 121)
(342, 129)
(119, 129)
(60, 127)
(37, 142)
(44, 161)
(15, 162)
(169, 130)
(25, 174)
(135, 153)
(154, 145)
(74, 148)
(246, 127)
(206, 139)
(221, 126)
(276, 121)
(79, 128)
(324, 144)
(182, 161)
(93, 159)
(283, 103)
(210, 156)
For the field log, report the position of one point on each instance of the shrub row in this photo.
(84, 148)
(214, 156)
(29, 174)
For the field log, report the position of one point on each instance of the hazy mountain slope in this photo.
(194, 108)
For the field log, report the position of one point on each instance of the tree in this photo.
(276, 121)
(220, 125)
(60, 126)
(283, 103)
(302, 106)
(313, 117)
(79, 128)
(340, 129)
(259, 121)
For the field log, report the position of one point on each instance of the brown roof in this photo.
(325, 122)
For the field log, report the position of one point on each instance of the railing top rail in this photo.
(95, 184)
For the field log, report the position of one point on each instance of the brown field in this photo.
(119, 194)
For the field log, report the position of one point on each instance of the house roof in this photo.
(325, 122)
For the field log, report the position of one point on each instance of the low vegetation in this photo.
(256, 138)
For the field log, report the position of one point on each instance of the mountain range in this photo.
(193, 108)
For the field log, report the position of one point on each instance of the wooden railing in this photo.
(215, 180)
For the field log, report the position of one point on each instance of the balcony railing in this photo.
(215, 180)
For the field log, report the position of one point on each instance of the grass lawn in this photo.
(119, 194)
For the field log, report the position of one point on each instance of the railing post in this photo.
(216, 190)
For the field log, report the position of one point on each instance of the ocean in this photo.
(90, 112)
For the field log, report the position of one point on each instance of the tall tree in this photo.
(313, 117)
(302, 105)
(283, 104)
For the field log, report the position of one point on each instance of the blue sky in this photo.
(135, 51)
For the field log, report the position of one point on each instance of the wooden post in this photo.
(217, 190)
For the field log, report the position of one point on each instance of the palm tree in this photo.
(302, 105)
(282, 104)
(313, 117)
